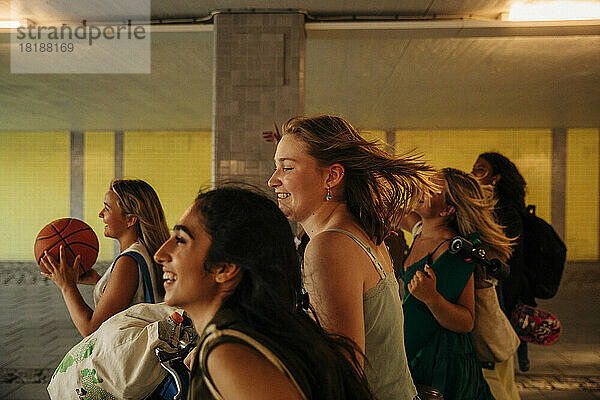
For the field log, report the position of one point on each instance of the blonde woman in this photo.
(133, 216)
(347, 195)
(439, 304)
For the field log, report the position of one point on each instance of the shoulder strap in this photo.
(439, 245)
(211, 340)
(366, 248)
(143, 267)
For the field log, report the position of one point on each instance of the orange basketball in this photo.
(74, 235)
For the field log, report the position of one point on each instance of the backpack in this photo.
(545, 254)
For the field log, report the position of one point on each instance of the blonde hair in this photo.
(475, 212)
(137, 198)
(379, 188)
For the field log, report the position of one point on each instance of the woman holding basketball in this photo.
(133, 216)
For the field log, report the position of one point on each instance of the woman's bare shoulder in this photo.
(335, 250)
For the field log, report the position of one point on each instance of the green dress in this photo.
(437, 356)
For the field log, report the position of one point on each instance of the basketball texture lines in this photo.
(74, 235)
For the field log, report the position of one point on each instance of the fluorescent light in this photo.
(555, 11)
(10, 24)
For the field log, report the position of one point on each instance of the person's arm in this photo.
(91, 277)
(459, 317)
(334, 280)
(117, 296)
(240, 372)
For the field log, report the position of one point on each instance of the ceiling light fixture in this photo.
(554, 11)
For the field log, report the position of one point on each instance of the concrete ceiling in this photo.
(398, 78)
(470, 82)
(43, 11)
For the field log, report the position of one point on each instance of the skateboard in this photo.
(534, 325)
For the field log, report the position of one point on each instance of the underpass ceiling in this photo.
(377, 79)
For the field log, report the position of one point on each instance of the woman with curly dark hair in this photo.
(508, 184)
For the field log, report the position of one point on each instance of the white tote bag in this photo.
(118, 360)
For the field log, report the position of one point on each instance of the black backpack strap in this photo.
(147, 282)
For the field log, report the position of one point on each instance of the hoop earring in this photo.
(328, 197)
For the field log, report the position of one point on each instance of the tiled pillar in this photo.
(258, 79)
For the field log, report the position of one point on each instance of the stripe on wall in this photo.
(76, 199)
(390, 140)
(119, 140)
(559, 181)
(119, 150)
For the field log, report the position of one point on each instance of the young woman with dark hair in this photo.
(348, 195)
(508, 184)
(232, 265)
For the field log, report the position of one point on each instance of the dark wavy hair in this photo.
(511, 186)
(379, 188)
(249, 230)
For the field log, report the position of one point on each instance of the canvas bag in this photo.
(494, 338)
(118, 360)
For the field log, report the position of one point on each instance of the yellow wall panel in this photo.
(582, 194)
(34, 188)
(529, 149)
(176, 164)
(379, 136)
(98, 170)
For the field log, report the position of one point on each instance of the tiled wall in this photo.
(259, 73)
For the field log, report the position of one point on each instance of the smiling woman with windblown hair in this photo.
(347, 194)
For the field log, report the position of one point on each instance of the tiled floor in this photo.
(36, 332)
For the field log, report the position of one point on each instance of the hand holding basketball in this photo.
(75, 236)
(61, 273)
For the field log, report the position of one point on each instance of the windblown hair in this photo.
(249, 230)
(511, 186)
(379, 189)
(137, 198)
(475, 212)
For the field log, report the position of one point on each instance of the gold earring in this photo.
(328, 197)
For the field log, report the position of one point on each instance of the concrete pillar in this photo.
(258, 79)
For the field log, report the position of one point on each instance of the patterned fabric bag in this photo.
(534, 325)
(118, 360)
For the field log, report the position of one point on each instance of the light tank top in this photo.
(386, 367)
